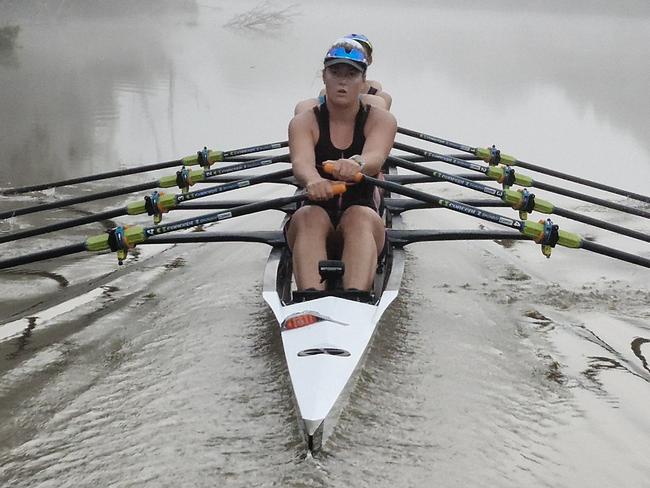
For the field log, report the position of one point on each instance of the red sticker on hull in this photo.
(303, 319)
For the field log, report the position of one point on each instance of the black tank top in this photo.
(325, 149)
(360, 193)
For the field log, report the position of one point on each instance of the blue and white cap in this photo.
(363, 40)
(347, 51)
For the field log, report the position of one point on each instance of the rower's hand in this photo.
(345, 169)
(319, 190)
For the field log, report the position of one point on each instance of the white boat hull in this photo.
(325, 339)
(322, 357)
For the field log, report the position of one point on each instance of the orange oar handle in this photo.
(339, 188)
(329, 168)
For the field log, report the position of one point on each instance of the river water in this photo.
(495, 366)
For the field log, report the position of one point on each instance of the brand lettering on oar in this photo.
(477, 167)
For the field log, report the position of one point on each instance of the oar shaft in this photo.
(441, 157)
(601, 223)
(234, 185)
(46, 229)
(455, 179)
(588, 198)
(270, 237)
(583, 181)
(257, 163)
(219, 216)
(43, 255)
(82, 199)
(85, 179)
(436, 140)
(615, 253)
(254, 149)
(456, 206)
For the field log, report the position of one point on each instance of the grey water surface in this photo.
(495, 366)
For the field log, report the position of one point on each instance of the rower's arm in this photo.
(380, 130)
(305, 105)
(301, 149)
(387, 98)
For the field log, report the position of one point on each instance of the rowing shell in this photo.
(325, 337)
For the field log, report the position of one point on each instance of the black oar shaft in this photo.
(449, 204)
(219, 216)
(588, 198)
(615, 253)
(46, 229)
(74, 201)
(601, 223)
(455, 179)
(433, 156)
(43, 255)
(270, 237)
(436, 140)
(256, 163)
(275, 177)
(583, 181)
(254, 149)
(396, 205)
(85, 179)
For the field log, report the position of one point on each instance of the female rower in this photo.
(354, 137)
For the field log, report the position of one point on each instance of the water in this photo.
(495, 367)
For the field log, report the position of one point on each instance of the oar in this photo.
(396, 205)
(503, 175)
(493, 156)
(523, 201)
(123, 238)
(398, 237)
(183, 179)
(544, 232)
(155, 204)
(204, 158)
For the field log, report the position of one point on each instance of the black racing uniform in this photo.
(362, 193)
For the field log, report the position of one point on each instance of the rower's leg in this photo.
(307, 236)
(363, 239)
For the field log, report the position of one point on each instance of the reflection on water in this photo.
(65, 96)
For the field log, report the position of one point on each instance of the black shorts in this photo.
(335, 208)
(362, 194)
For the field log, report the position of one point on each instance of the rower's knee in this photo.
(311, 221)
(359, 219)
